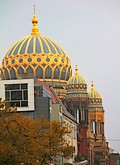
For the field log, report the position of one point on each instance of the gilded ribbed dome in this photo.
(94, 96)
(35, 44)
(36, 56)
(77, 82)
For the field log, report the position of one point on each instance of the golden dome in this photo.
(77, 82)
(36, 56)
(94, 95)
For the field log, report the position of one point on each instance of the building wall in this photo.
(83, 149)
(114, 159)
(71, 138)
(42, 107)
(56, 112)
(111, 160)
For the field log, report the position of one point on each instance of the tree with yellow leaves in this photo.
(31, 142)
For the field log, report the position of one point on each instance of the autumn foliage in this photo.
(31, 142)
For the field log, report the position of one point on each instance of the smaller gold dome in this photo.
(94, 95)
(77, 82)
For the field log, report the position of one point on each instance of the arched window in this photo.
(68, 74)
(20, 70)
(48, 73)
(102, 128)
(7, 74)
(93, 126)
(83, 114)
(98, 127)
(39, 72)
(63, 74)
(2, 74)
(13, 73)
(56, 73)
(29, 72)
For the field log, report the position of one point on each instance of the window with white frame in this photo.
(17, 94)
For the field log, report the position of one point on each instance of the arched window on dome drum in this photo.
(20, 71)
(7, 77)
(2, 75)
(68, 74)
(29, 72)
(48, 73)
(13, 73)
(63, 74)
(39, 72)
(56, 73)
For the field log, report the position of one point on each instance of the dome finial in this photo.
(34, 22)
(34, 10)
(92, 85)
(76, 69)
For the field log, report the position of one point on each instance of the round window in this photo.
(38, 59)
(29, 59)
(6, 62)
(13, 61)
(56, 60)
(20, 60)
(47, 59)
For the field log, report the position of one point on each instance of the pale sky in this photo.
(88, 30)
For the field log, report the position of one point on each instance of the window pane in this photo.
(23, 86)
(16, 95)
(16, 103)
(24, 103)
(25, 95)
(7, 95)
(12, 86)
